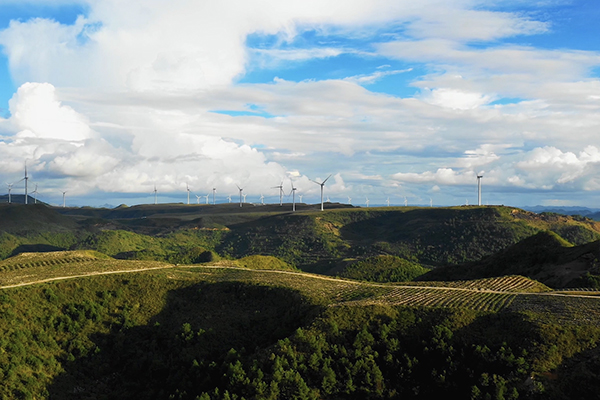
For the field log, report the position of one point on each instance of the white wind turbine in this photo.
(329, 201)
(349, 200)
(367, 202)
(25, 179)
(214, 191)
(64, 203)
(9, 190)
(244, 197)
(229, 198)
(479, 189)
(293, 196)
(35, 192)
(388, 201)
(280, 187)
(405, 202)
(188, 192)
(262, 199)
(430, 202)
(198, 198)
(154, 194)
(300, 196)
(322, 184)
(207, 196)
(241, 189)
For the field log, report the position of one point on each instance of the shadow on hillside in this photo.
(36, 248)
(187, 347)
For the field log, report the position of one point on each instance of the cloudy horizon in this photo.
(405, 100)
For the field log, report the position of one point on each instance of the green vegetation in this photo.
(182, 302)
(383, 268)
(214, 333)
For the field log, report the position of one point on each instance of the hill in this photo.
(545, 257)
(211, 332)
(325, 242)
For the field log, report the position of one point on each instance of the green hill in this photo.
(545, 257)
(310, 240)
(217, 333)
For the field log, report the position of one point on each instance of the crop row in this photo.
(43, 263)
(448, 298)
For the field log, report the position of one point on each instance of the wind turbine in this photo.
(198, 199)
(241, 189)
(329, 201)
(300, 197)
(9, 189)
(244, 197)
(349, 200)
(262, 199)
(293, 196)
(207, 196)
(154, 194)
(64, 204)
(35, 194)
(25, 179)
(188, 192)
(367, 202)
(229, 198)
(388, 201)
(280, 187)
(405, 202)
(430, 202)
(214, 191)
(479, 189)
(322, 184)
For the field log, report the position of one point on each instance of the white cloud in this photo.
(37, 112)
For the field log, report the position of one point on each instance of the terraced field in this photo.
(490, 294)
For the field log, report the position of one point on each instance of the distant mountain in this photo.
(583, 211)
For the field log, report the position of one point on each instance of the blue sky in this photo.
(395, 98)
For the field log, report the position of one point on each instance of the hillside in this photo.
(545, 257)
(209, 332)
(326, 242)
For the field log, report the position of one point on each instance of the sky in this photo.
(397, 101)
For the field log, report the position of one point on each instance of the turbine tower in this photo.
(262, 199)
(405, 202)
(64, 193)
(280, 187)
(430, 202)
(388, 201)
(207, 196)
(479, 189)
(214, 191)
(349, 200)
(35, 194)
(293, 196)
(154, 194)
(188, 192)
(25, 179)
(322, 184)
(300, 196)
(198, 199)
(229, 198)
(367, 202)
(9, 189)
(241, 189)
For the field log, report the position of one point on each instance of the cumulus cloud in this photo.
(37, 112)
(144, 93)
